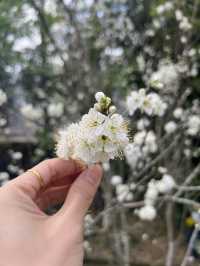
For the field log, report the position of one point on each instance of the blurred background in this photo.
(54, 56)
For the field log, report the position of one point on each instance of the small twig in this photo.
(170, 235)
(190, 188)
(188, 180)
(190, 246)
(156, 160)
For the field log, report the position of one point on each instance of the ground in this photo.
(148, 248)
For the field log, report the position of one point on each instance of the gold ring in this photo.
(38, 175)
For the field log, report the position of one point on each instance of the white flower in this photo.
(166, 184)
(170, 127)
(151, 193)
(158, 106)
(106, 166)
(67, 141)
(147, 213)
(114, 52)
(31, 112)
(55, 109)
(17, 155)
(4, 176)
(164, 7)
(150, 142)
(92, 123)
(151, 103)
(139, 137)
(142, 124)
(133, 102)
(179, 14)
(96, 138)
(193, 125)
(123, 193)
(13, 168)
(129, 196)
(185, 25)
(116, 180)
(99, 96)
(3, 97)
(167, 74)
(162, 170)
(178, 113)
(132, 153)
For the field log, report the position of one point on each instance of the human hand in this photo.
(28, 236)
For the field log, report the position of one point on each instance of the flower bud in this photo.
(97, 107)
(112, 109)
(99, 95)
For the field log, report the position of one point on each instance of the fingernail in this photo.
(80, 165)
(96, 171)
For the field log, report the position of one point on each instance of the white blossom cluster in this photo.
(31, 112)
(3, 97)
(150, 103)
(144, 143)
(4, 178)
(55, 110)
(193, 125)
(124, 192)
(163, 186)
(167, 6)
(168, 75)
(184, 23)
(170, 127)
(101, 134)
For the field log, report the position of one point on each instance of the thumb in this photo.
(82, 192)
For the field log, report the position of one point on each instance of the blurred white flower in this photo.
(123, 193)
(178, 113)
(134, 101)
(4, 176)
(132, 153)
(17, 155)
(114, 52)
(170, 127)
(151, 193)
(162, 170)
(145, 237)
(184, 24)
(150, 103)
(193, 125)
(178, 14)
(142, 124)
(164, 7)
(106, 166)
(55, 109)
(150, 142)
(116, 180)
(139, 137)
(87, 246)
(147, 213)
(31, 112)
(3, 97)
(166, 184)
(13, 168)
(3, 122)
(168, 75)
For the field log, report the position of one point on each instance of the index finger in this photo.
(50, 171)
